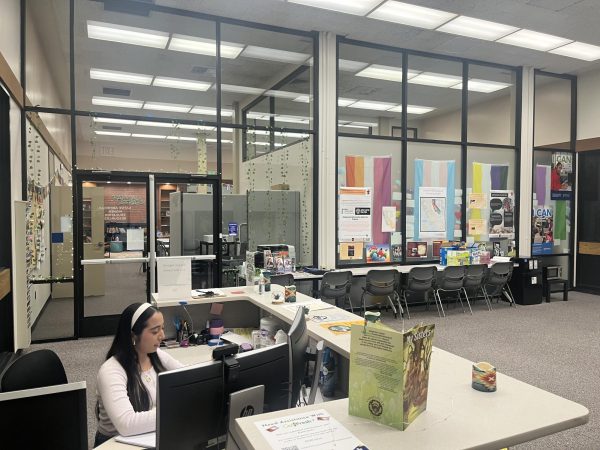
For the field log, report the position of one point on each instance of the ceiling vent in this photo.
(207, 71)
(115, 91)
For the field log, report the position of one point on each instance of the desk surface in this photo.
(457, 416)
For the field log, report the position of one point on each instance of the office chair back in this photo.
(451, 278)
(382, 282)
(336, 284)
(286, 279)
(298, 342)
(33, 370)
(420, 279)
(499, 274)
(474, 275)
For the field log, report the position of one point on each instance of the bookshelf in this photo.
(164, 209)
(87, 220)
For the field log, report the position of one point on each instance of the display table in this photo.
(457, 416)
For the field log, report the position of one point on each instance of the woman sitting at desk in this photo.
(126, 384)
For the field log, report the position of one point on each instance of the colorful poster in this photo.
(542, 230)
(389, 373)
(351, 251)
(388, 219)
(477, 226)
(502, 209)
(378, 253)
(561, 177)
(477, 200)
(354, 218)
(416, 249)
(432, 211)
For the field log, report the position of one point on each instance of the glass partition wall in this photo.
(427, 146)
(554, 170)
(188, 108)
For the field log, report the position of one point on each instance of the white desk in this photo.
(457, 416)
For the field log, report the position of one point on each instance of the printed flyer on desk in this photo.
(389, 373)
(310, 430)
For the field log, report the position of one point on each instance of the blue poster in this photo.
(233, 229)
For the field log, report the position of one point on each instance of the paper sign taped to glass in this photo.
(432, 211)
(389, 373)
(355, 211)
(502, 207)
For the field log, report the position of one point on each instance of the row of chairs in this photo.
(426, 280)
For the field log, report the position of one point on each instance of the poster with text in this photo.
(351, 251)
(502, 214)
(388, 219)
(561, 177)
(354, 218)
(378, 253)
(542, 230)
(432, 211)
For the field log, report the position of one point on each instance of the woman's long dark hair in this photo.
(123, 350)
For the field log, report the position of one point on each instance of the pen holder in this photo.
(484, 377)
(216, 327)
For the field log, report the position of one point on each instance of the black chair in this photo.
(497, 278)
(36, 369)
(474, 278)
(451, 280)
(420, 280)
(286, 279)
(382, 283)
(336, 286)
(298, 342)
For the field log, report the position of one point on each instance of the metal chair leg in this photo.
(362, 304)
(393, 307)
(461, 302)
(468, 302)
(512, 297)
(440, 302)
(406, 303)
(436, 302)
(350, 303)
(487, 297)
(400, 308)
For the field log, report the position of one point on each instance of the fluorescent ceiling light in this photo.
(112, 133)
(144, 123)
(271, 54)
(282, 94)
(120, 77)
(350, 125)
(357, 7)
(370, 104)
(347, 65)
(196, 127)
(343, 102)
(291, 119)
(436, 79)
(258, 116)
(178, 83)
(241, 89)
(477, 28)
(201, 46)
(119, 121)
(484, 86)
(407, 14)
(127, 35)
(208, 111)
(534, 40)
(147, 136)
(223, 141)
(388, 73)
(117, 103)
(291, 134)
(181, 138)
(303, 99)
(172, 107)
(579, 50)
(362, 124)
(259, 143)
(413, 109)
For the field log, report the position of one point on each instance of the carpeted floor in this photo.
(555, 346)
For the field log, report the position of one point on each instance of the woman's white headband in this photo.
(138, 312)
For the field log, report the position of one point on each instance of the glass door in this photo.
(113, 248)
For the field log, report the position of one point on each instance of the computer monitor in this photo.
(46, 417)
(191, 401)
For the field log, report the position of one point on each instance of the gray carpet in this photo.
(555, 346)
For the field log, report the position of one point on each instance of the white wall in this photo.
(588, 105)
(294, 159)
(9, 34)
(552, 113)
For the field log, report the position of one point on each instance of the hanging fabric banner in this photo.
(355, 171)
(382, 196)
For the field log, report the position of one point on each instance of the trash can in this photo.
(526, 281)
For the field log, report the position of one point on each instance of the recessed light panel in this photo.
(241, 89)
(435, 79)
(271, 54)
(282, 94)
(181, 138)
(148, 136)
(388, 73)
(477, 28)
(120, 77)
(347, 65)
(127, 35)
(343, 102)
(356, 7)
(144, 123)
(484, 86)
(116, 102)
(579, 50)
(172, 107)
(178, 83)
(412, 15)
(370, 104)
(209, 111)
(534, 40)
(112, 133)
(202, 46)
(119, 121)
